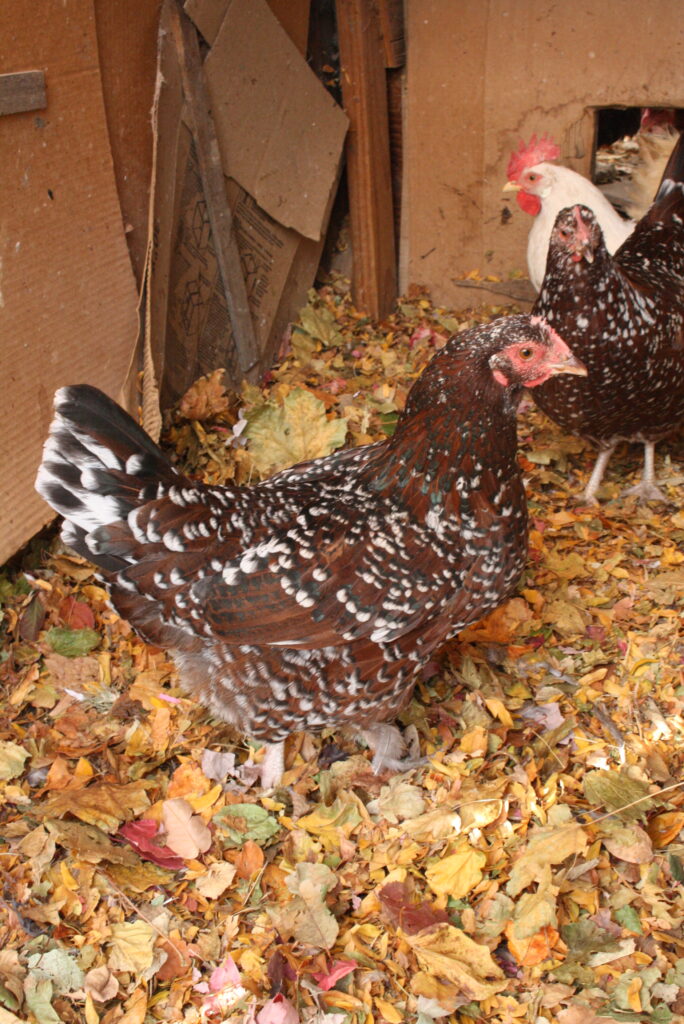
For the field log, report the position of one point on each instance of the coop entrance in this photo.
(631, 149)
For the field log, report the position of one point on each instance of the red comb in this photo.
(535, 152)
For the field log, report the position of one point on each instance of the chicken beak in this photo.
(569, 364)
(511, 186)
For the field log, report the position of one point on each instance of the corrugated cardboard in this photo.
(480, 77)
(67, 293)
(190, 330)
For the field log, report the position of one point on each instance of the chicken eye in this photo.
(532, 177)
(526, 353)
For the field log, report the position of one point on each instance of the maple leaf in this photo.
(296, 431)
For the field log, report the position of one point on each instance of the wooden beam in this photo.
(22, 91)
(214, 186)
(364, 92)
(391, 15)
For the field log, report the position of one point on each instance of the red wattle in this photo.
(528, 202)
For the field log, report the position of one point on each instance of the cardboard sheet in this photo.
(67, 293)
(280, 132)
(190, 332)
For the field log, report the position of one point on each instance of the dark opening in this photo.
(631, 150)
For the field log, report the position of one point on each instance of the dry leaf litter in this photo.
(532, 870)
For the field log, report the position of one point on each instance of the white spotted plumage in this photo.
(312, 598)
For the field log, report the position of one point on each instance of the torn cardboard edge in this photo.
(188, 329)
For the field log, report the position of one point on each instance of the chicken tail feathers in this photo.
(98, 465)
(674, 169)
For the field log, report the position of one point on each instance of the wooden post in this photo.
(364, 92)
(213, 183)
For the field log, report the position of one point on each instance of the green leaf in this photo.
(239, 822)
(58, 967)
(627, 797)
(319, 322)
(676, 867)
(38, 993)
(72, 643)
(388, 422)
(628, 918)
(584, 937)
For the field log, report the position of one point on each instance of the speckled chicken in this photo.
(623, 316)
(312, 599)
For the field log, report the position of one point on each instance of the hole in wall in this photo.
(632, 145)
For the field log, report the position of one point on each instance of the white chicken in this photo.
(544, 189)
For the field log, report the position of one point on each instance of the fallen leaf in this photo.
(101, 984)
(545, 847)
(186, 833)
(131, 947)
(627, 797)
(217, 879)
(283, 435)
(72, 643)
(449, 953)
(627, 842)
(12, 759)
(315, 924)
(104, 804)
(278, 1010)
(457, 874)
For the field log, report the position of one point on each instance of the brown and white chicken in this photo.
(312, 599)
(623, 316)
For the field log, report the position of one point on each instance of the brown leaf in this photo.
(405, 912)
(105, 804)
(205, 399)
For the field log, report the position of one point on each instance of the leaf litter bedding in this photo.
(531, 870)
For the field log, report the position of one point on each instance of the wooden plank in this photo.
(364, 92)
(22, 91)
(391, 15)
(213, 182)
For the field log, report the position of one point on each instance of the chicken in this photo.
(623, 316)
(312, 599)
(544, 189)
(645, 155)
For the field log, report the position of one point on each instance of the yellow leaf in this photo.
(91, 1014)
(203, 803)
(498, 709)
(545, 847)
(68, 879)
(566, 618)
(457, 874)
(633, 994)
(389, 1012)
(131, 946)
(474, 741)
(449, 954)
(283, 435)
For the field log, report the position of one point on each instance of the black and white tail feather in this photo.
(98, 466)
